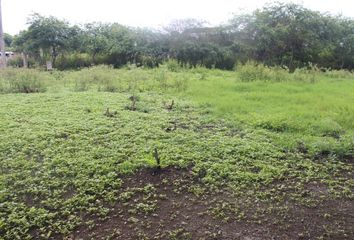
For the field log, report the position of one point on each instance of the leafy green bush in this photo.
(173, 65)
(252, 71)
(148, 61)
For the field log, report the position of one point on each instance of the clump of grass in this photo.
(328, 128)
(180, 84)
(308, 75)
(23, 81)
(161, 78)
(81, 85)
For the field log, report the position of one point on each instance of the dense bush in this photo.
(173, 65)
(74, 61)
(252, 71)
(148, 61)
(194, 53)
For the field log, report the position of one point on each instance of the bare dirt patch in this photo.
(174, 204)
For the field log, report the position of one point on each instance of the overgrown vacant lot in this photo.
(243, 155)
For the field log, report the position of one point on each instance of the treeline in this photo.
(286, 35)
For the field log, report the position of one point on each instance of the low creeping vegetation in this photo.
(68, 154)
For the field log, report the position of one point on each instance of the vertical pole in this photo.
(2, 43)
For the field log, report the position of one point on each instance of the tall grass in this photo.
(23, 81)
(130, 79)
(252, 71)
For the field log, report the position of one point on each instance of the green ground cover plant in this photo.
(67, 148)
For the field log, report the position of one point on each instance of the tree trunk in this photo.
(2, 43)
(24, 59)
(54, 56)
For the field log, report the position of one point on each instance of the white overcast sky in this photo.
(146, 13)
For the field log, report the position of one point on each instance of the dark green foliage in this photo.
(205, 54)
(276, 35)
(291, 35)
(74, 61)
(8, 40)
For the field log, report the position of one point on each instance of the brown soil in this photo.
(172, 204)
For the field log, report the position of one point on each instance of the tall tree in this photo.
(2, 43)
(95, 40)
(48, 35)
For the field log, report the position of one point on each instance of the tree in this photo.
(8, 40)
(150, 47)
(49, 36)
(178, 26)
(21, 43)
(121, 45)
(94, 39)
(276, 35)
(291, 35)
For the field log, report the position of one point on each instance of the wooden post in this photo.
(2, 43)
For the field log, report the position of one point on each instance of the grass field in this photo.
(176, 154)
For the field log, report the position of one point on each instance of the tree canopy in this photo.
(280, 34)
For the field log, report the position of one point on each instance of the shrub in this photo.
(173, 65)
(252, 71)
(148, 61)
